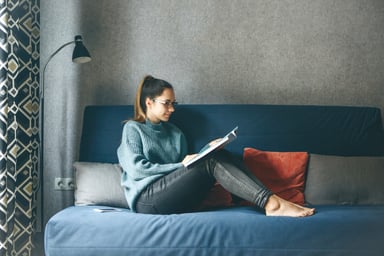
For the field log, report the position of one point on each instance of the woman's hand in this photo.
(188, 158)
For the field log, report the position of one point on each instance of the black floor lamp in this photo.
(80, 55)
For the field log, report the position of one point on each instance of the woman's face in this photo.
(161, 107)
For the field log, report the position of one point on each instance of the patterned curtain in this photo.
(19, 104)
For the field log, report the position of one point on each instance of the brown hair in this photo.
(149, 87)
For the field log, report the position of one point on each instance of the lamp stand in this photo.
(80, 55)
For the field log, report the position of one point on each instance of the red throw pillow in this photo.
(282, 172)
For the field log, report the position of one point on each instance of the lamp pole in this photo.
(80, 55)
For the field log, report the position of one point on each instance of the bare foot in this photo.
(276, 206)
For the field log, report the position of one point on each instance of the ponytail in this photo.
(149, 87)
(139, 114)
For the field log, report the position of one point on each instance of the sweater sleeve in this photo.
(133, 159)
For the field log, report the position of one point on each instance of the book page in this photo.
(220, 143)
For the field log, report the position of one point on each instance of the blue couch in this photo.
(345, 173)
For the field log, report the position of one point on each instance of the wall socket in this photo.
(64, 183)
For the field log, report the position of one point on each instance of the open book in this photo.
(212, 146)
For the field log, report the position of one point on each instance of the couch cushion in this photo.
(332, 231)
(98, 183)
(331, 130)
(344, 180)
(282, 172)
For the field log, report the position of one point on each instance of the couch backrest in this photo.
(329, 130)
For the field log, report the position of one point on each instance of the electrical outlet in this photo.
(64, 184)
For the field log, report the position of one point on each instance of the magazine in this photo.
(214, 145)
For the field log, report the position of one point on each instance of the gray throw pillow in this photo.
(353, 180)
(99, 184)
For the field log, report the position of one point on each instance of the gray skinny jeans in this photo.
(184, 189)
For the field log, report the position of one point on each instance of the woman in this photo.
(153, 153)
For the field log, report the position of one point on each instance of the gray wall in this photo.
(327, 52)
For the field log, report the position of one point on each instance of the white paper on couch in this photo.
(211, 147)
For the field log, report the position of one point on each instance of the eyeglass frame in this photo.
(166, 103)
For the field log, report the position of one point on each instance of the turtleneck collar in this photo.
(154, 126)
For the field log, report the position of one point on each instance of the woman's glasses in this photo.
(167, 103)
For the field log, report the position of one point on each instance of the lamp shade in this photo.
(80, 53)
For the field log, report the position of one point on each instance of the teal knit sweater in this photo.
(147, 152)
